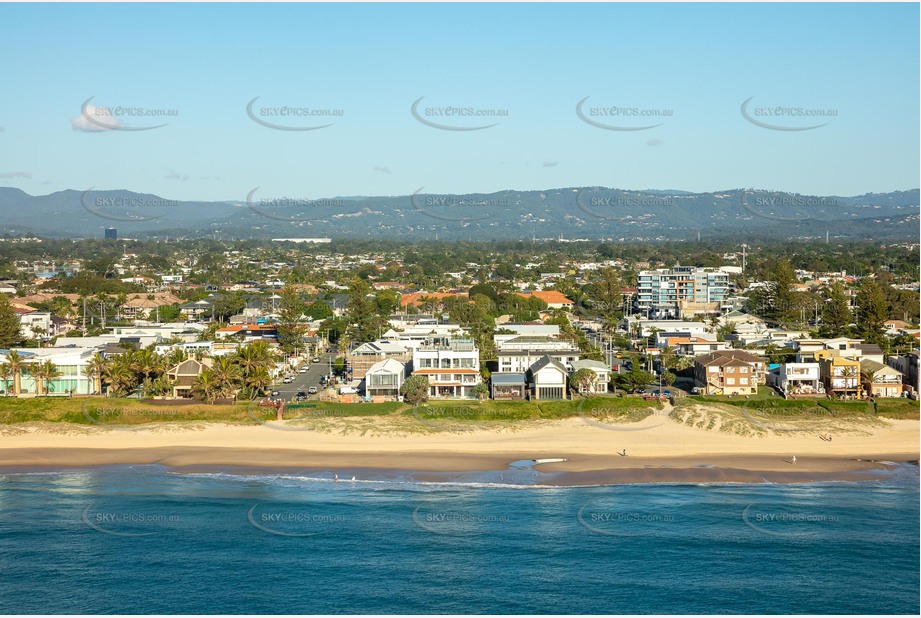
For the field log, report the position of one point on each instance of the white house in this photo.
(547, 378)
(517, 353)
(798, 378)
(384, 379)
(452, 369)
(602, 374)
(70, 362)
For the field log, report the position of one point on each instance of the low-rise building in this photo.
(547, 379)
(732, 372)
(602, 374)
(508, 386)
(384, 379)
(452, 369)
(879, 380)
(517, 354)
(841, 377)
(798, 379)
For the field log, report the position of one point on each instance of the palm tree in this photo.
(207, 385)
(866, 380)
(146, 363)
(43, 373)
(94, 369)
(227, 374)
(16, 363)
(5, 372)
(667, 357)
(119, 375)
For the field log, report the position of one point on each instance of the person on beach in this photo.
(337, 478)
(794, 459)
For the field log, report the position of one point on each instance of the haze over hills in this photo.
(573, 213)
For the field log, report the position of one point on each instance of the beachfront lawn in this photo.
(814, 408)
(114, 411)
(489, 410)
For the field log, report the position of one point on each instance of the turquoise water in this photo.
(143, 539)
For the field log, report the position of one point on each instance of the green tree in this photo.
(9, 324)
(582, 380)
(94, 369)
(872, 312)
(836, 312)
(291, 327)
(16, 364)
(415, 389)
(365, 324)
(635, 379)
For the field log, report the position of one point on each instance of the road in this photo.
(302, 381)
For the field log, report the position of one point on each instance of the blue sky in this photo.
(696, 63)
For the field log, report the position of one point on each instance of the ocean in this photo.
(147, 539)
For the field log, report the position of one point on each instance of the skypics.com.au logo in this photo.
(456, 117)
(291, 117)
(94, 118)
(621, 118)
(126, 208)
(785, 117)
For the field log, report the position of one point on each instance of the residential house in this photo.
(508, 386)
(366, 355)
(907, 365)
(70, 363)
(841, 376)
(602, 374)
(35, 324)
(879, 380)
(547, 379)
(452, 369)
(517, 354)
(732, 372)
(384, 379)
(196, 311)
(554, 299)
(185, 375)
(798, 379)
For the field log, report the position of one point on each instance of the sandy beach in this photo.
(658, 449)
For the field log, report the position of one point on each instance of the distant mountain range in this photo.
(593, 213)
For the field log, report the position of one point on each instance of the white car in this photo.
(303, 370)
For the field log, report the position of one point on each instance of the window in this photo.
(730, 381)
(743, 369)
(743, 381)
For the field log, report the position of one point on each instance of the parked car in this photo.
(316, 359)
(275, 393)
(312, 390)
(301, 394)
(303, 369)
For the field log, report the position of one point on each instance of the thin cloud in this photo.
(382, 169)
(654, 142)
(6, 175)
(550, 163)
(81, 123)
(174, 175)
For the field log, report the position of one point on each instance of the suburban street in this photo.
(303, 381)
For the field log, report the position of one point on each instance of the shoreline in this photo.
(658, 450)
(576, 470)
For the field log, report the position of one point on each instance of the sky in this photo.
(819, 99)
